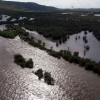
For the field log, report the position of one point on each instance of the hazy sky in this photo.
(66, 3)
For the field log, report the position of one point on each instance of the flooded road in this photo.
(71, 81)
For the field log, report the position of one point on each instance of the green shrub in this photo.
(89, 66)
(48, 79)
(39, 73)
(29, 63)
(7, 34)
(19, 60)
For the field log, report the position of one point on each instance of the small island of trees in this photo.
(46, 75)
(19, 60)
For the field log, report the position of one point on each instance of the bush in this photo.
(29, 63)
(82, 62)
(7, 34)
(76, 54)
(39, 73)
(19, 60)
(89, 66)
(48, 79)
(55, 54)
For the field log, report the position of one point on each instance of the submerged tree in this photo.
(39, 73)
(29, 63)
(48, 79)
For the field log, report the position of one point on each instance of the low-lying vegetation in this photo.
(18, 59)
(47, 76)
(39, 73)
(7, 34)
(48, 79)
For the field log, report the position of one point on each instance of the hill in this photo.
(34, 6)
(9, 5)
(25, 6)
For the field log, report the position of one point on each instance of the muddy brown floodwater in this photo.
(73, 45)
(71, 81)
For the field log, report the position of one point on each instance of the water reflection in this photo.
(97, 15)
(3, 27)
(4, 17)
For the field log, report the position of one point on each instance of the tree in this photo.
(76, 38)
(76, 54)
(19, 60)
(44, 44)
(48, 79)
(56, 44)
(39, 73)
(29, 63)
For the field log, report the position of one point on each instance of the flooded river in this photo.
(71, 81)
(74, 45)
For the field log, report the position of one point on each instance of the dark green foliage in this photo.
(82, 62)
(55, 54)
(39, 73)
(76, 38)
(89, 66)
(7, 34)
(85, 39)
(85, 32)
(43, 44)
(57, 44)
(47, 76)
(18, 59)
(48, 79)
(29, 63)
(76, 54)
(55, 25)
(87, 47)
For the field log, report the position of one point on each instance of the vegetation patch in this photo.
(47, 76)
(29, 63)
(7, 34)
(48, 79)
(18, 59)
(39, 73)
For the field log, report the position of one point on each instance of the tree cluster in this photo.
(18, 59)
(47, 76)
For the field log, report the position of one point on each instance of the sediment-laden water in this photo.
(74, 45)
(71, 81)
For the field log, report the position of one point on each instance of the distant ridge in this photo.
(9, 5)
(25, 6)
(34, 6)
